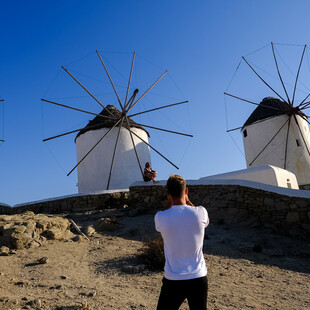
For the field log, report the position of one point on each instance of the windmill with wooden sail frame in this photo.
(277, 132)
(113, 148)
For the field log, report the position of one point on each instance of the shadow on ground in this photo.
(260, 245)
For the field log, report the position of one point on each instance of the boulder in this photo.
(106, 224)
(30, 230)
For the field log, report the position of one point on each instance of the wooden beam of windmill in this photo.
(159, 108)
(132, 98)
(170, 162)
(305, 105)
(129, 81)
(76, 80)
(245, 100)
(76, 109)
(94, 147)
(303, 102)
(268, 143)
(262, 79)
(70, 132)
(301, 134)
(114, 152)
(302, 56)
(134, 146)
(166, 130)
(133, 104)
(107, 72)
(233, 129)
(286, 142)
(275, 60)
(256, 122)
(304, 117)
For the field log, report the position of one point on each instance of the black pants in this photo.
(174, 292)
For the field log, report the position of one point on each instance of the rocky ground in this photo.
(248, 268)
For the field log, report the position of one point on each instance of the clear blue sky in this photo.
(199, 42)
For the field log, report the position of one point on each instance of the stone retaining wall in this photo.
(305, 187)
(237, 204)
(225, 203)
(78, 203)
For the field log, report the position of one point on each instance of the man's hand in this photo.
(188, 202)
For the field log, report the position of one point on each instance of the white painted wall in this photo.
(261, 132)
(93, 172)
(265, 174)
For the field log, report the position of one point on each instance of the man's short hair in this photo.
(176, 186)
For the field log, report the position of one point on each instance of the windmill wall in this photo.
(93, 172)
(257, 135)
(239, 203)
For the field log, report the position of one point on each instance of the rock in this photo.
(268, 202)
(146, 199)
(58, 287)
(29, 230)
(63, 277)
(89, 231)
(4, 251)
(106, 224)
(92, 294)
(21, 283)
(37, 303)
(292, 217)
(78, 238)
(116, 195)
(43, 260)
(34, 244)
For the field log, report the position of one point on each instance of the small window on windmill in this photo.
(289, 185)
(245, 134)
(298, 142)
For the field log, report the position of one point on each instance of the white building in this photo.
(265, 174)
(94, 170)
(269, 138)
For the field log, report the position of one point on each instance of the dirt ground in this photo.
(107, 272)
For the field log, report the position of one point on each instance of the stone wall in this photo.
(305, 187)
(226, 203)
(78, 203)
(237, 204)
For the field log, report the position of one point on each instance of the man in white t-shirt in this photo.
(182, 227)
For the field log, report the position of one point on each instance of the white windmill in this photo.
(277, 132)
(113, 149)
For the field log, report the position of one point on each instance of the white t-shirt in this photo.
(182, 228)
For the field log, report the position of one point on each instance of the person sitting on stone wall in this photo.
(149, 174)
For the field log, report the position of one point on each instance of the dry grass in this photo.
(152, 252)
